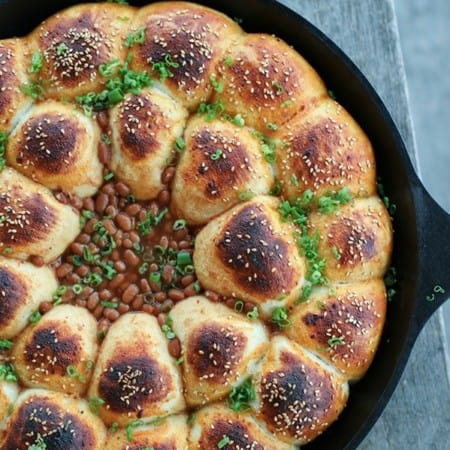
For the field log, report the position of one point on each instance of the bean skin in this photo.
(130, 292)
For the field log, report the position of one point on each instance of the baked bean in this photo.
(92, 301)
(45, 307)
(127, 243)
(117, 281)
(80, 302)
(90, 224)
(164, 197)
(37, 260)
(167, 305)
(101, 202)
(174, 347)
(111, 211)
(108, 189)
(187, 280)
(73, 278)
(153, 267)
(144, 286)
(103, 327)
(149, 309)
(76, 202)
(103, 120)
(115, 255)
(131, 258)
(123, 308)
(249, 306)
(130, 292)
(111, 314)
(110, 227)
(98, 312)
(63, 270)
(176, 294)
(179, 235)
(160, 296)
(76, 248)
(88, 203)
(82, 270)
(164, 242)
(174, 245)
(120, 266)
(105, 294)
(137, 303)
(83, 238)
(133, 209)
(213, 296)
(123, 222)
(161, 319)
(184, 245)
(167, 175)
(190, 291)
(122, 189)
(134, 237)
(103, 152)
(167, 273)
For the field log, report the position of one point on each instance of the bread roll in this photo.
(23, 287)
(220, 162)
(355, 240)
(8, 395)
(220, 348)
(59, 352)
(170, 434)
(13, 68)
(267, 82)
(188, 40)
(75, 42)
(135, 376)
(249, 253)
(57, 146)
(54, 420)
(298, 396)
(216, 424)
(33, 221)
(325, 150)
(342, 323)
(144, 130)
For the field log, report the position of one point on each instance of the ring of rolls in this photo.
(263, 92)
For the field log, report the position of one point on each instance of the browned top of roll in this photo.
(42, 416)
(214, 351)
(12, 293)
(27, 217)
(129, 382)
(52, 348)
(259, 259)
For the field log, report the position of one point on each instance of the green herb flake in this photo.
(336, 341)
(280, 317)
(95, 403)
(135, 38)
(39, 444)
(131, 426)
(278, 87)
(216, 84)
(37, 61)
(144, 227)
(61, 49)
(223, 442)
(35, 317)
(228, 60)
(180, 144)
(3, 143)
(33, 89)
(6, 344)
(109, 305)
(216, 155)
(241, 396)
(272, 126)
(7, 372)
(163, 67)
(211, 111)
(245, 196)
(253, 314)
(167, 329)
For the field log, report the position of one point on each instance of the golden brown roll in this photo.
(53, 420)
(59, 352)
(248, 253)
(182, 46)
(75, 42)
(9, 392)
(325, 150)
(135, 376)
(23, 287)
(216, 424)
(267, 82)
(144, 130)
(219, 346)
(298, 395)
(342, 323)
(57, 146)
(13, 67)
(170, 433)
(32, 221)
(356, 240)
(221, 162)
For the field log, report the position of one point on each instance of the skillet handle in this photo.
(434, 259)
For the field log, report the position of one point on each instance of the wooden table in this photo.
(418, 415)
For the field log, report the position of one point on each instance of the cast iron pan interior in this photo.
(414, 208)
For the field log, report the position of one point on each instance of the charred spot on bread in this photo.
(8, 78)
(237, 432)
(13, 293)
(52, 349)
(48, 143)
(40, 416)
(130, 382)
(295, 397)
(256, 255)
(214, 351)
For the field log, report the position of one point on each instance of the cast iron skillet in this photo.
(422, 244)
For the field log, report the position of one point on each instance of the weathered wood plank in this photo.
(418, 415)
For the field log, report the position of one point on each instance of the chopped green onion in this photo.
(37, 61)
(135, 38)
(223, 442)
(167, 329)
(95, 403)
(217, 85)
(77, 288)
(280, 317)
(163, 67)
(131, 426)
(6, 344)
(336, 341)
(216, 155)
(180, 144)
(109, 305)
(35, 317)
(179, 224)
(241, 396)
(211, 110)
(253, 314)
